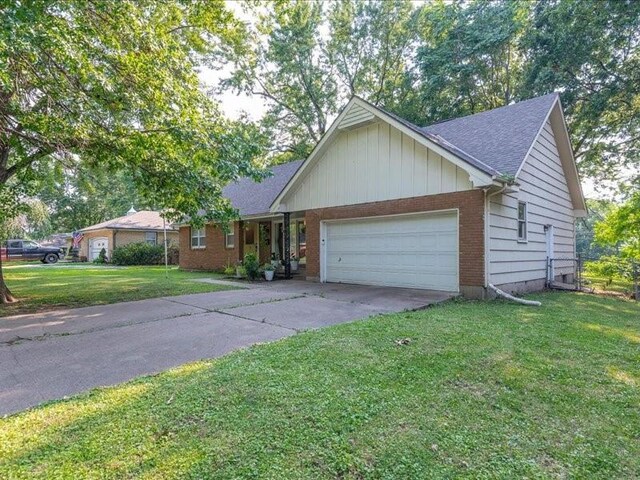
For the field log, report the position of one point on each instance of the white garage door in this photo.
(96, 245)
(415, 251)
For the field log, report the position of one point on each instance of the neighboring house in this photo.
(454, 206)
(134, 227)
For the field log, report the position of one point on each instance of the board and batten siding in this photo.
(543, 186)
(374, 163)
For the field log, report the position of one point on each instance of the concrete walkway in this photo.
(52, 355)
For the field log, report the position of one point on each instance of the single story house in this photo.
(455, 206)
(135, 227)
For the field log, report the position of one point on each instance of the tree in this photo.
(371, 46)
(80, 197)
(305, 58)
(478, 55)
(113, 86)
(286, 65)
(586, 244)
(469, 57)
(621, 226)
(589, 52)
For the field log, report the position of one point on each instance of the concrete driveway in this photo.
(52, 355)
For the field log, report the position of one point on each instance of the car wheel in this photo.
(51, 258)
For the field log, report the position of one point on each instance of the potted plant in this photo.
(294, 263)
(269, 271)
(274, 261)
(240, 271)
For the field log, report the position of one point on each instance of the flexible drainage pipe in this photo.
(502, 294)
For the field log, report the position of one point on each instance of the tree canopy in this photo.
(110, 86)
(621, 227)
(433, 61)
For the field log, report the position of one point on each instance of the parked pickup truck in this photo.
(16, 249)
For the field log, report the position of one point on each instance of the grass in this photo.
(481, 390)
(45, 287)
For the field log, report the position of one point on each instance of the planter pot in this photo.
(268, 275)
(294, 265)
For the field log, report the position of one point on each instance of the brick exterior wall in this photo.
(214, 255)
(471, 217)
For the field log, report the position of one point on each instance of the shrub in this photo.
(138, 254)
(610, 267)
(252, 266)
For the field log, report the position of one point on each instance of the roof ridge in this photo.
(510, 105)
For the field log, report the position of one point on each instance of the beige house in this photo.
(135, 227)
(490, 198)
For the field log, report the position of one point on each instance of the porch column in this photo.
(287, 244)
(240, 240)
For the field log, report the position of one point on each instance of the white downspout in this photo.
(487, 226)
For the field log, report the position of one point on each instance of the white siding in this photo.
(543, 186)
(373, 163)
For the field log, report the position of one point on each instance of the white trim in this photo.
(573, 160)
(323, 235)
(323, 252)
(535, 139)
(232, 231)
(477, 177)
(524, 239)
(199, 237)
(579, 210)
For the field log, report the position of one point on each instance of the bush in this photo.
(610, 267)
(138, 254)
(252, 266)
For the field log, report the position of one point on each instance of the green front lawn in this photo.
(45, 287)
(480, 390)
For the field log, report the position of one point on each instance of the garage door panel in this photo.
(419, 251)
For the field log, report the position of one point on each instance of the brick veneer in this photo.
(215, 255)
(471, 216)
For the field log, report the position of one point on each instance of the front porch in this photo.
(278, 239)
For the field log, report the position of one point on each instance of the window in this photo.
(150, 237)
(197, 238)
(522, 222)
(230, 237)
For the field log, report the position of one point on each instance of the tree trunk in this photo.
(5, 294)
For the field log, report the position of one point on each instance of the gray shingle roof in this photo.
(253, 198)
(499, 138)
(495, 141)
(142, 220)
